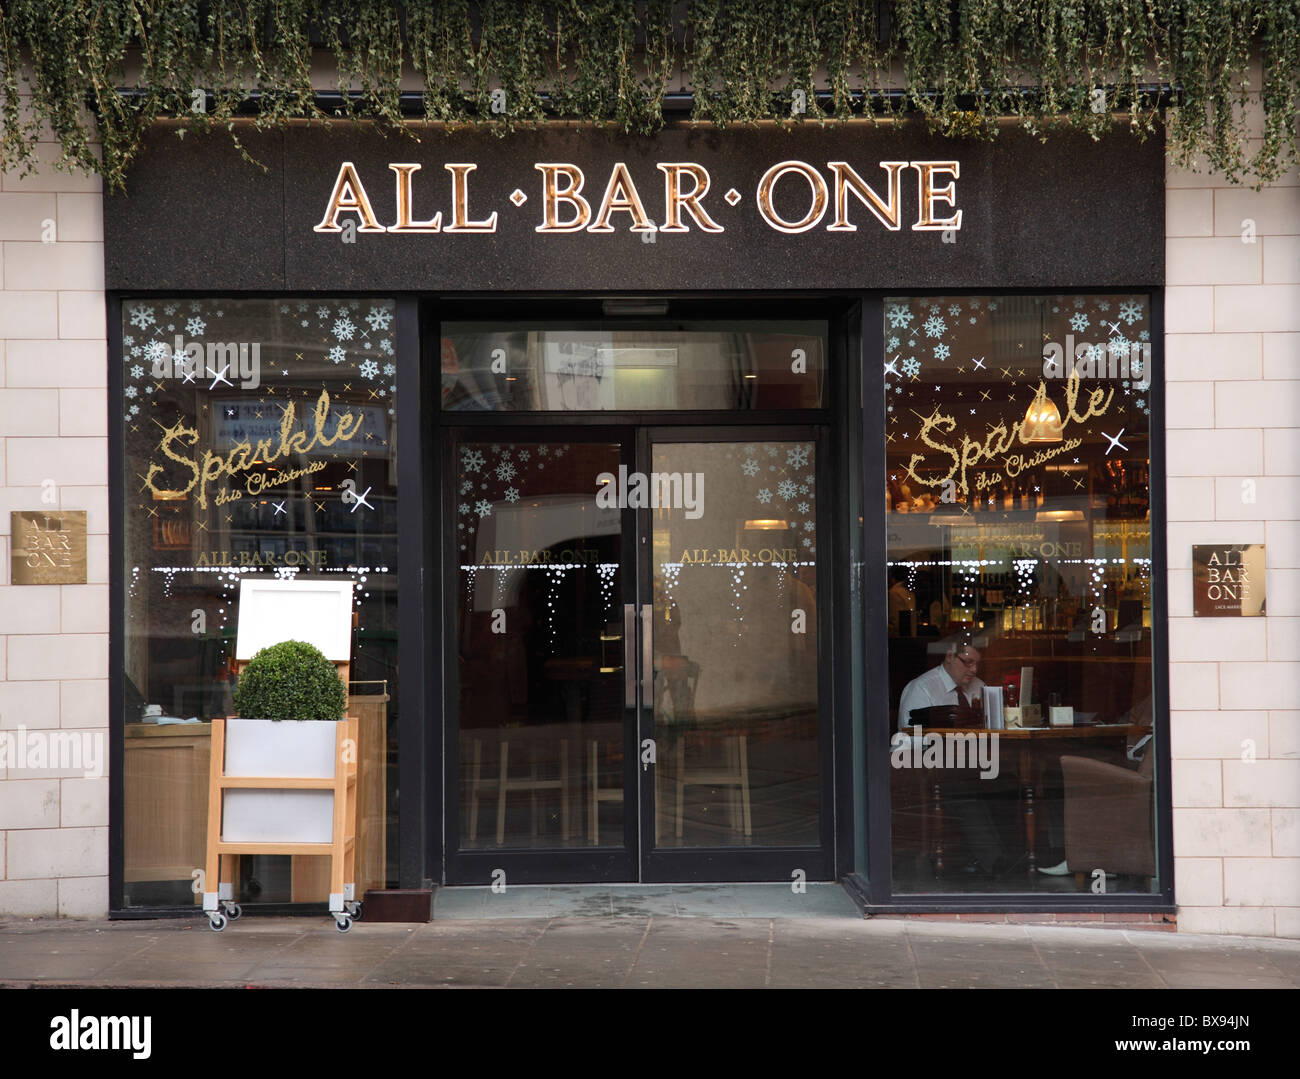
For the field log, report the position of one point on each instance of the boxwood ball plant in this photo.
(290, 680)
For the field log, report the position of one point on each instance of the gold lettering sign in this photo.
(1002, 440)
(48, 548)
(192, 470)
(1228, 580)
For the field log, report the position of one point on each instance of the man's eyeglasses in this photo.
(969, 661)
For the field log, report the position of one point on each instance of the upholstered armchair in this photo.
(1109, 816)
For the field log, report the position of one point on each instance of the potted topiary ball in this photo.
(289, 699)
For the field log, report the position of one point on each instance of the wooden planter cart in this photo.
(319, 612)
(220, 906)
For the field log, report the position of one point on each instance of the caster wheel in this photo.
(234, 911)
(217, 922)
(354, 908)
(343, 923)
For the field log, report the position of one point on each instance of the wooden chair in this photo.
(503, 786)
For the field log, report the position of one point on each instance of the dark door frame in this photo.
(560, 865)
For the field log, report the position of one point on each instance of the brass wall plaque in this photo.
(48, 547)
(1228, 580)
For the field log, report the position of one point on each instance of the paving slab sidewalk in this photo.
(633, 951)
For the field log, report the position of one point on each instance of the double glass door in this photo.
(636, 687)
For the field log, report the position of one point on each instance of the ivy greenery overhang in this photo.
(103, 71)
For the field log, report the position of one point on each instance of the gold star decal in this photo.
(984, 395)
(152, 512)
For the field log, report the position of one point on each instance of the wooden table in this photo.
(1033, 747)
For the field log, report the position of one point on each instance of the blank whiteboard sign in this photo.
(318, 612)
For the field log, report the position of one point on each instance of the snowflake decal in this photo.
(765, 496)
(899, 316)
(1103, 306)
(797, 456)
(935, 326)
(386, 346)
(344, 328)
(1144, 335)
(380, 318)
(524, 455)
(750, 467)
(128, 340)
(142, 317)
(1079, 322)
(954, 310)
(338, 354)
(803, 507)
(808, 526)
(505, 471)
(1130, 311)
(195, 327)
(471, 460)
(891, 344)
(322, 313)
(390, 370)
(130, 391)
(911, 367)
(368, 369)
(512, 495)
(137, 371)
(156, 351)
(483, 507)
(464, 507)
(1135, 366)
(786, 489)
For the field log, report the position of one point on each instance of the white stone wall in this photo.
(1233, 402)
(1232, 347)
(53, 455)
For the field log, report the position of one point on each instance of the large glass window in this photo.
(1017, 434)
(260, 439)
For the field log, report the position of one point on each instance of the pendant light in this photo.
(1042, 420)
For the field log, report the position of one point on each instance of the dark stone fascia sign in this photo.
(1228, 580)
(563, 208)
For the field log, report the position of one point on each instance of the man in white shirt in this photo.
(952, 682)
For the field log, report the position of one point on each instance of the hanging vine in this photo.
(98, 73)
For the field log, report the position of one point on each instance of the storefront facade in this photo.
(714, 447)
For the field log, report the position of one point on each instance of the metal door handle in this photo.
(629, 655)
(647, 655)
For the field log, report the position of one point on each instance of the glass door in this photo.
(543, 674)
(731, 679)
(636, 681)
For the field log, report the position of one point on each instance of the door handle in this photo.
(629, 655)
(647, 655)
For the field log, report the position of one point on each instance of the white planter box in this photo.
(262, 747)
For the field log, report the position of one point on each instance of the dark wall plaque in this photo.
(783, 210)
(1228, 580)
